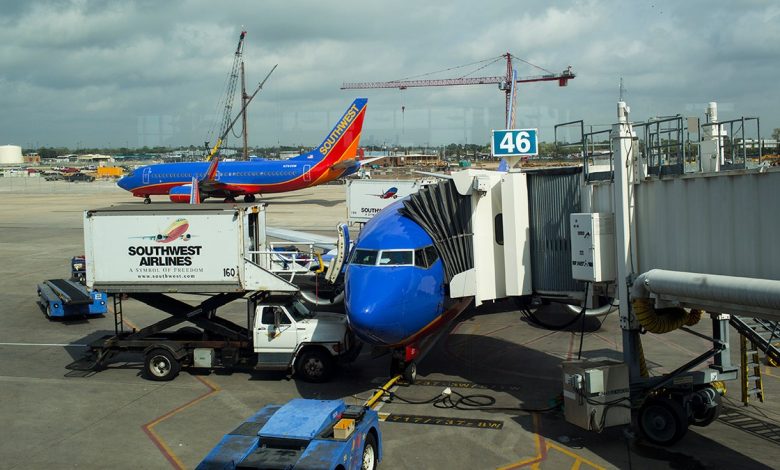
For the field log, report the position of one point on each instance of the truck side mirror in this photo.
(277, 319)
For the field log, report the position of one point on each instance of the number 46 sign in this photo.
(511, 142)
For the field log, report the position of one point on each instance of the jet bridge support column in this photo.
(622, 136)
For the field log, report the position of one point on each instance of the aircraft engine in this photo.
(180, 193)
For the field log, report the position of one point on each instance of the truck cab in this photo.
(287, 335)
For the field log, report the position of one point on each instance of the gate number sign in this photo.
(510, 142)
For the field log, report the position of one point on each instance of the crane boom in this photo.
(504, 82)
(562, 79)
(232, 123)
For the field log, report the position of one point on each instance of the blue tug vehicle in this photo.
(302, 434)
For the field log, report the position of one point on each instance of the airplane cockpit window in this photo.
(431, 255)
(365, 257)
(131, 174)
(396, 258)
(419, 258)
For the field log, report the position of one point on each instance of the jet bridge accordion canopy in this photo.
(446, 216)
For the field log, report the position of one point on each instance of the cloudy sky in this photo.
(131, 73)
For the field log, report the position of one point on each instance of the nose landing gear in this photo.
(404, 363)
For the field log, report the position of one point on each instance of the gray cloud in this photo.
(147, 72)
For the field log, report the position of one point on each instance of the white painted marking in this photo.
(62, 345)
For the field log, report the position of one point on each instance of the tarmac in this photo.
(53, 418)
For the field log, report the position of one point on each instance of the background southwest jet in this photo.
(335, 157)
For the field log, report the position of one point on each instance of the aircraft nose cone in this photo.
(123, 183)
(375, 312)
(387, 305)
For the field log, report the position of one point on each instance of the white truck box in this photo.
(178, 248)
(365, 198)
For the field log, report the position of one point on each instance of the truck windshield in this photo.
(299, 311)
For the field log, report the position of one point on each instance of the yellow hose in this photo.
(662, 320)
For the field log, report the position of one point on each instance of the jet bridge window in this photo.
(396, 258)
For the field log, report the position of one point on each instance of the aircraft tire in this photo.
(249, 198)
(410, 372)
(147, 200)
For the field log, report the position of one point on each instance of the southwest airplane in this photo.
(390, 193)
(334, 158)
(394, 288)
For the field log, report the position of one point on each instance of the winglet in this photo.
(211, 173)
(194, 191)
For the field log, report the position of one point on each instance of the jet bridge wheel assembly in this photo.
(662, 420)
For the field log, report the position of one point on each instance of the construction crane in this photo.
(504, 82)
(229, 96)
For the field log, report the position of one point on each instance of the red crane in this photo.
(504, 81)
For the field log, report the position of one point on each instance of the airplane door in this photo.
(145, 175)
(307, 173)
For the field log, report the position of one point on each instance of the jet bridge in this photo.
(670, 229)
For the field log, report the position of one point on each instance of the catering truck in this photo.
(153, 255)
(365, 198)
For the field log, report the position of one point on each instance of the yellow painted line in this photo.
(543, 448)
(158, 441)
(578, 458)
(130, 324)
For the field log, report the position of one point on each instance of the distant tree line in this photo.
(454, 151)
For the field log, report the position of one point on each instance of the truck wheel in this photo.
(160, 365)
(663, 421)
(369, 453)
(315, 365)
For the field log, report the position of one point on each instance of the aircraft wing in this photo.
(344, 164)
(436, 175)
(320, 241)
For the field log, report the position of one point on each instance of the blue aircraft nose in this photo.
(124, 183)
(388, 305)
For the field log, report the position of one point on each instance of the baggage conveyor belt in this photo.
(69, 292)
